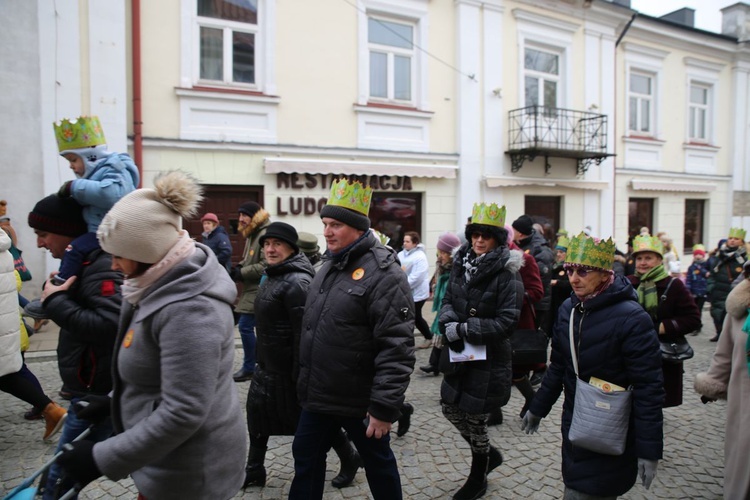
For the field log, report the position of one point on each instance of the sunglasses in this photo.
(573, 270)
(480, 234)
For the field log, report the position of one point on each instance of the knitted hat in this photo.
(58, 216)
(249, 208)
(699, 252)
(281, 231)
(144, 225)
(524, 225)
(210, 217)
(307, 243)
(348, 217)
(447, 242)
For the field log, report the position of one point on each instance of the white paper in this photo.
(470, 353)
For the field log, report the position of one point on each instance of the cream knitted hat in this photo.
(146, 223)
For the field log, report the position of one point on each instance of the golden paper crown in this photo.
(83, 132)
(587, 251)
(351, 195)
(648, 243)
(737, 232)
(563, 242)
(491, 215)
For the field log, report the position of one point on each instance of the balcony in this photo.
(559, 133)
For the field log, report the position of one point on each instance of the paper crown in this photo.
(83, 132)
(737, 232)
(588, 251)
(380, 236)
(491, 215)
(698, 246)
(562, 232)
(563, 242)
(351, 195)
(648, 243)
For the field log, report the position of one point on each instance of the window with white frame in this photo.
(541, 77)
(699, 116)
(227, 41)
(392, 60)
(641, 103)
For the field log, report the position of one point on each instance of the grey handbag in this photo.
(600, 419)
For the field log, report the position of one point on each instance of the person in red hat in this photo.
(697, 280)
(216, 238)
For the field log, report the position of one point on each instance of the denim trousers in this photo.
(314, 437)
(72, 428)
(246, 326)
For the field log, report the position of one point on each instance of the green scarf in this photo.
(648, 298)
(746, 329)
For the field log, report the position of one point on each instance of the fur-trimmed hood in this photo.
(260, 217)
(738, 300)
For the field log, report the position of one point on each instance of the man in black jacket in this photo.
(86, 308)
(356, 349)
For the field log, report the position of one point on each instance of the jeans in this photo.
(316, 433)
(246, 326)
(71, 429)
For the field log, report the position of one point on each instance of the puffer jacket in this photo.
(417, 269)
(87, 314)
(218, 241)
(724, 267)
(538, 247)
(696, 278)
(357, 344)
(253, 262)
(617, 343)
(272, 407)
(10, 335)
(490, 306)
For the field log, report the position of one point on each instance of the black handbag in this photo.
(529, 346)
(676, 351)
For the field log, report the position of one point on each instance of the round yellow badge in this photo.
(128, 339)
(739, 269)
(358, 274)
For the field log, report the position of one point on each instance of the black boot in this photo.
(255, 471)
(476, 484)
(496, 458)
(350, 463)
(526, 390)
(404, 421)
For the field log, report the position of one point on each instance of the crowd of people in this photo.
(147, 318)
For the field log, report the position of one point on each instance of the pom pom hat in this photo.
(144, 225)
(349, 202)
(585, 251)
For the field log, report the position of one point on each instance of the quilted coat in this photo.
(10, 335)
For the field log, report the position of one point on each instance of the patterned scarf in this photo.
(471, 264)
(746, 329)
(648, 297)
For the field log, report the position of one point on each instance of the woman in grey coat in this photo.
(179, 429)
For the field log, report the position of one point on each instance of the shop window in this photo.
(393, 214)
(640, 214)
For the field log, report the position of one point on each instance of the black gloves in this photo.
(78, 461)
(236, 274)
(454, 333)
(93, 408)
(64, 191)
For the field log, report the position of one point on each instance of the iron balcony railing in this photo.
(556, 132)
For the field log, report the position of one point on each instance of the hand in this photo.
(78, 461)
(376, 428)
(457, 346)
(647, 471)
(93, 408)
(438, 341)
(236, 274)
(530, 423)
(64, 191)
(50, 288)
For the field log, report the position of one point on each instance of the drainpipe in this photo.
(135, 6)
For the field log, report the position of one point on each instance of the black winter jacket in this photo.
(723, 268)
(272, 407)
(490, 306)
(88, 314)
(218, 241)
(357, 344)
(538, 247)
(617, 343)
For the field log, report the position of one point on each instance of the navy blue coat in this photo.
(218, 241)
(696, 278)
(617, 343)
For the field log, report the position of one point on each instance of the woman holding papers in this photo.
(480, 309)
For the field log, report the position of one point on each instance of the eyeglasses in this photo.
(573, 270)
(480, 234)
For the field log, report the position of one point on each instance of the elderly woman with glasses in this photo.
(481, 307)
(615, 341)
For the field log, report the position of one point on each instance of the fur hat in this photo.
(58, 216)
(281, 231)
(347, 216)
(144, 225)
(249, 208)
(447, 242)
(210, 217)
(308, 243)
(524, 225)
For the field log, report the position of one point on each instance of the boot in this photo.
(527, 391)
(496, 458)
(404, 421)
(350, 463)
(476, 484)
(54, 418)
(255, 471)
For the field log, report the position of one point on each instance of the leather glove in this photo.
(93, 408)
(647, 471)
(453, 336)
(64, 191)
(78, 461)
(530, 423)
(236, 274)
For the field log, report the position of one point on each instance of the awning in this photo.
(498, 181)
(690, 187)
(306, 166)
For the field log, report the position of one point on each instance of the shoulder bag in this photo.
(678, 350)
(600, 419)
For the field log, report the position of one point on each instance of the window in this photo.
(394, 214)
(698, 113)
(392, 60)
(694, 215)
(641, 103)
(541, 77)
(227, 41)
(640, 214)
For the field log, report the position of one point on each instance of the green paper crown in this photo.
(698, 246)
(587, 251)
(648, 243)
(562, 232)
(563, 242)
(83, 132)
(737, 232)
(491, 215)
(380, 236)
(351, 195)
